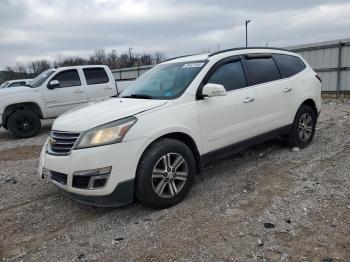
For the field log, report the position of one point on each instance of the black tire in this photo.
(145, 184)
(297, 138)
(24, 124)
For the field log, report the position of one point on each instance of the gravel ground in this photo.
(268, 203)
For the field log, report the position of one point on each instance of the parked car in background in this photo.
(52, 93)
(177, 117)
(14, 83)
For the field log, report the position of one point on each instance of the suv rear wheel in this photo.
(165, 174)
(303, 128)
(24, 124)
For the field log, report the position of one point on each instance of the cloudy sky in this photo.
(33, 29)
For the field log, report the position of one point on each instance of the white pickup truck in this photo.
(52, 93)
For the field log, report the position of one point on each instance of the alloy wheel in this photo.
(169, 175)
(305, 127)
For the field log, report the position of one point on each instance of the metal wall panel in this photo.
(328, 80)
(345, 81)
(130, 73)
(346, 56)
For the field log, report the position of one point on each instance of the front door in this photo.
(226, 120)
(69, 94)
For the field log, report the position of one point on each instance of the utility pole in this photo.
(130, 48)
(246, 32)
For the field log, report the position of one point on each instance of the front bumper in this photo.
(122, 195)
(118, 190)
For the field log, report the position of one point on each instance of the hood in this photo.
(88, 117)
(15, 90)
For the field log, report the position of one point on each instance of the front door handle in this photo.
(248, 100)
(78, 91)
(107, 88)
(286, 90)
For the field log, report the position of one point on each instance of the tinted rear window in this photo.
(95, 76)
(262, 70)
(291, 65)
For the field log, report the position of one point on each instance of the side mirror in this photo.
(210, 90)
(53, 84)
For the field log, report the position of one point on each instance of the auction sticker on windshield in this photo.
(193, 65)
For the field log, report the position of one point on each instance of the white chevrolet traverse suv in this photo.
(151, 141)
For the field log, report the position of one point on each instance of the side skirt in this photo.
(225, 152)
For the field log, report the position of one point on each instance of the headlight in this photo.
(110, 133)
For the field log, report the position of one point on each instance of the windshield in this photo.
(165, 81)
(4, 85)
(40, 79)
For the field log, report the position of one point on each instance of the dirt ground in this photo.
(268, 203)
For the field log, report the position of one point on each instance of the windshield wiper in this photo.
(141, 96)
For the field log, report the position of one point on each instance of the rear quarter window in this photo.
(95, 76)
(291, 65)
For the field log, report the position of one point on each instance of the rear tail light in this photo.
(319, 78)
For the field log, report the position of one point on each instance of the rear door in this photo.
(274, 93)
(99, 86)
(226, 120)
(69, 94)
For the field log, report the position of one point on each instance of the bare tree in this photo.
(146, 59)
(39, 66)
(158, 57)
(112, 59)
(99, 57)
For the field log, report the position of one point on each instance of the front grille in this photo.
(59, 177)
(61, 143)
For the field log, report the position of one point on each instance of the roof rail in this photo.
(173, 58)
(243, 48)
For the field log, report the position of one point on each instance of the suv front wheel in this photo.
(165, 174)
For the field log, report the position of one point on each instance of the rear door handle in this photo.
(248, 100)
(78, 91)
(286, 90)
(107, 88)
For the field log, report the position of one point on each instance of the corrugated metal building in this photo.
(127, 74)
(331, 60)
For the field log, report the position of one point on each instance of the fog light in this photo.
(91, 179)
(94, 172)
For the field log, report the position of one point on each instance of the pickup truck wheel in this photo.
(24, 124)
(303, 128)
(165, 174)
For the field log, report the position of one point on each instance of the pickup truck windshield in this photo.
(165, 81)
(40, 79)
(4, 85)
